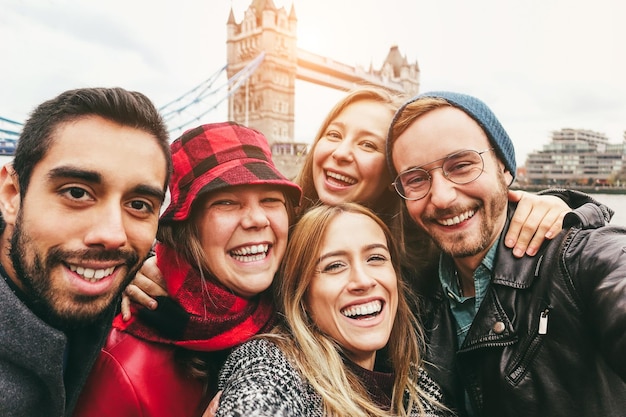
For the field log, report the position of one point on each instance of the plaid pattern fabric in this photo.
(215, 318)
(215, 156)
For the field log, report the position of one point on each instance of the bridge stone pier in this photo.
(267, 99)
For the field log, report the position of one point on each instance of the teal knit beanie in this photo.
(478, 111)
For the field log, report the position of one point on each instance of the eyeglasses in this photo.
(460, 168)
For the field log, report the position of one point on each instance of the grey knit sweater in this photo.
(33, 380)
(258, 380)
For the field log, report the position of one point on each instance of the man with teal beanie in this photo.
(507, 336)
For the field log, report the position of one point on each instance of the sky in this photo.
(541, 65)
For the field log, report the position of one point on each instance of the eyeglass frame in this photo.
(445, 174)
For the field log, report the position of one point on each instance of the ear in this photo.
(9, 194)
(508, 178)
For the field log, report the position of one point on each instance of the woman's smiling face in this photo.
(353, 297)
(243, 231)
(349, 162)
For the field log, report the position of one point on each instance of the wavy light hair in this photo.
(303, 342)
(388, 203)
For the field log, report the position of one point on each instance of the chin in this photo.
(76, 315)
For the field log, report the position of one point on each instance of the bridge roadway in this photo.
(327, 72)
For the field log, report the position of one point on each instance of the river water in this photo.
(618, 203)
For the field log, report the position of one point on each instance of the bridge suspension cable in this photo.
(191, 107)
(7, 127)
(179, 114)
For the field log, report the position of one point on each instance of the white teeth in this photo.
(90, 274)
(340, 177)
(372, 307)
(457, 219)
(250, 253)
(247, 250)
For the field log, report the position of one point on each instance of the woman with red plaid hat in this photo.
(221, 241)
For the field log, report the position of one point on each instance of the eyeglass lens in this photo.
(460, 168)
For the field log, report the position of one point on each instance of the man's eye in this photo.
(140, 205)
(76, 193)
(417, 179)
(459, 166)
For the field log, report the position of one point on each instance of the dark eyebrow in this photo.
(151, 191)
(78, 173)
(95, 178)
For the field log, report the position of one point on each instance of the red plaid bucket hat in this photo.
(219, 155)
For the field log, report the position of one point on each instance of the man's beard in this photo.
(464, 246)
(469, 244)
(46, 302)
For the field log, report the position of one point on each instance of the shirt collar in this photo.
(447, 271)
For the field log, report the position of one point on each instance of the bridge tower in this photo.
(267, 99)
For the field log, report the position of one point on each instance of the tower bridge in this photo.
(267, 100)
(263, 64)
(324, 71)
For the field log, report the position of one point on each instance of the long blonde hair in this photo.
(342, 392)
(388, 203)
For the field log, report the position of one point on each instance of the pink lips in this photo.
(90, 286)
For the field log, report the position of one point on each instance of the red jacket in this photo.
(137, 378)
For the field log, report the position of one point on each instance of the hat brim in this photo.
(253, 172)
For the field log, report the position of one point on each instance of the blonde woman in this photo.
(348, 344)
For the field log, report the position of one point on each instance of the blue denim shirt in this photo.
(464, 308)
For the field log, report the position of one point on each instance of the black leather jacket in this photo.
(576, 285)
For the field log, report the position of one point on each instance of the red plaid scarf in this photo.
(217, 319)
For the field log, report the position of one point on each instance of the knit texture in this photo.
(219, 155)
(33, 378)
(209, 317)
(478, 111)
(259, 380)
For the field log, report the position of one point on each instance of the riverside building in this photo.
(577, 157)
